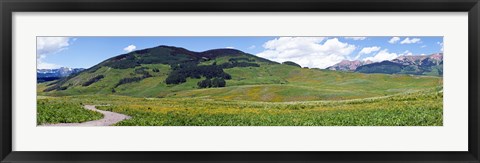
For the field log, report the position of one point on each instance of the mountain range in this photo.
(415, 65)
(347, 65)
(44, 75)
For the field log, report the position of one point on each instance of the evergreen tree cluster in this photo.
(214, 74)
(150, 56)
(141, 70)
(133, 79)
(58, 84)
(240, 59)
(238, 64)
(56, 87)
(93, 80)
(211, 83)
(291, 63)
(183, 71)
(123, 62)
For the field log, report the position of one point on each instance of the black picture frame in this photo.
(7, 7)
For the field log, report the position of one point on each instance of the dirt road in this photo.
(109, 118)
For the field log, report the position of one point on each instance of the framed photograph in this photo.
(239, 81)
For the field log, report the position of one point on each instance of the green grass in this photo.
(62, 110)
(422, 108)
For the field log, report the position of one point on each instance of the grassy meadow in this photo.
(54, 110)
(423, 108)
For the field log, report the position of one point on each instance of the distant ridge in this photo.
(44, 75)
(416, 65)
(347, 65)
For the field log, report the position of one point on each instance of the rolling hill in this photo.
(226, 74)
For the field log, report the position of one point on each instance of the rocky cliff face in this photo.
(426, 60)
(347, 65)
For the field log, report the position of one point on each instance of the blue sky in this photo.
(319, 52)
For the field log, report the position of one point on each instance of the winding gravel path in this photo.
(109, 118)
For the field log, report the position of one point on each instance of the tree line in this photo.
(93, 80)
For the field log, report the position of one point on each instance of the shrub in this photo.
(207, 83)
(215, 82)
(218, 82)
(131, 80)
(239, 64)
(241, 59)
(93, 80)
(291, 63)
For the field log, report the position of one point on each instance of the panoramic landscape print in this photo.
(240, 81)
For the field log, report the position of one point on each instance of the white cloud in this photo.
(230, 47)
(356, 38)
(129, 48)
(423, 46)
(441, 46)
(313, 52)
(394, 40)
(44, 65)
(252, 47)
(382, 56)
(367, 50)
(408, 53)
(50, 45)
(410, 41)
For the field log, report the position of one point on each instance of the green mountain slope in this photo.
(173, 72)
